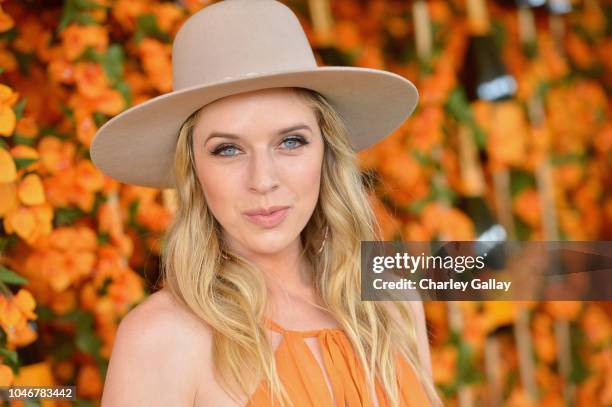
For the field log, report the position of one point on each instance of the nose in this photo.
(263, 172)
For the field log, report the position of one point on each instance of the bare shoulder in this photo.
(155, 360)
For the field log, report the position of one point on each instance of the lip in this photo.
(270, 220)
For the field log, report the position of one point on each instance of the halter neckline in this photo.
(308, 333)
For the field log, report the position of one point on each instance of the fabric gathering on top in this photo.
(305, 382)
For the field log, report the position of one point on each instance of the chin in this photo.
(270, 242)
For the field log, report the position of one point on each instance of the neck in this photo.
(286, 274)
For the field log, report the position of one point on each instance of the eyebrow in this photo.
(236, 136)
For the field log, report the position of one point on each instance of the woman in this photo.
(261, 300)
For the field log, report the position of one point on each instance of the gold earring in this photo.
(225, 256)
(324, 239)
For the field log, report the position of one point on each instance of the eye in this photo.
(224, 148)
(292, 140)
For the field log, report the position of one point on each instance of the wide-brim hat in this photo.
(236, 46)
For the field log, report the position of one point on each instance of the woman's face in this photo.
(259, 150)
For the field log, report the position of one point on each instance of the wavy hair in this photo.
(230, 294)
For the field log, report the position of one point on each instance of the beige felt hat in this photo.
(236, 46)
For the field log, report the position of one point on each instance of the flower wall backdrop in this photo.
(78, 249)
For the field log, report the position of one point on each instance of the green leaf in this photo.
(18, 108)
(88, 342)
(9, 356)
(9, 35)
(67, 216)
(24, 162)
(32, 403)
(112, 62)
(24, 61)
(125, 91)
(520, 180)
(560, 159)
(423, 159)
(8, 241)
(146, 25)
(22, 140)
(103, 238)
(76, 11)
(10, 277)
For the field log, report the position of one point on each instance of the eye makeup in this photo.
(217, 151)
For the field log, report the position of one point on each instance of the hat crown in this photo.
(238, 38)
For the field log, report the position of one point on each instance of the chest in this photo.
(210, 393)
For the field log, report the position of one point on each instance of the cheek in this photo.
(217, 190)
(303, 178)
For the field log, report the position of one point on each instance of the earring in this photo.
(324, 239)
(225, 256)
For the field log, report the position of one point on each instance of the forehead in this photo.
(269, 108)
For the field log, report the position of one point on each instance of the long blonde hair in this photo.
(230, 294)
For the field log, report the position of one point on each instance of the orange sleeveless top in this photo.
(305, 382)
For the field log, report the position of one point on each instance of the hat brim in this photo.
(137, 146)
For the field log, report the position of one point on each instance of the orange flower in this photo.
(8, 169)
(109, 220)
(6, 375)
(447, 223)
(29, 223)
(55, 155)
(439, 11)
(7, 120)
(89, 382)
(110, 102)
(126, 12)
(22, 222)
(76, 38)
(570, 175)
(347, 35)
(596, 325)
(90, 79)
(30, 31)
(7, 96)
(388, 223)
(579, 51)
(7, 60)
(88, 176)
(425, 130)
(157, 64)
(23, 151)
(85, 126)
(167, 15)
(6, 21)
(27, 127)
(30, 190)
(61, 70)
(507, 130)
(444, 364)
(26, 303)
(416, 232)
(563, 309)
(436, 87)
(8, 198)
(527, 206)
(543, 338)
(370, 57)
(498, 313)
(63, 302)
